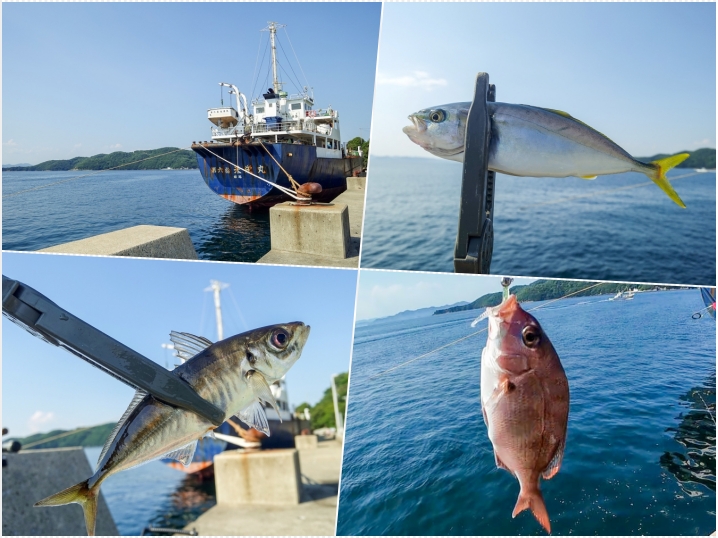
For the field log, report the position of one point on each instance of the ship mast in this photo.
(216, 286)
(272, 29)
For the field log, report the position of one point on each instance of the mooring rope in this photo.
(295, 185)
(92, 174)
(476, 333)
(237, 169)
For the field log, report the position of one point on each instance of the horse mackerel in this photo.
(233, 374)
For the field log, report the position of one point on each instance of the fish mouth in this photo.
(419, 125)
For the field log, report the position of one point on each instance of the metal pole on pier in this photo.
(216, 286)
(337, 414)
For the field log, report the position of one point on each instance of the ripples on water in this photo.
(632, 235)
(220, 230)
(154, 495)
(418, 460)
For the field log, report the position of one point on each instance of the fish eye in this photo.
(437, 116)
(280, 338)
(531, 336)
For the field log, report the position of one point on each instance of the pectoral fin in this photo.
(260, 388)
(588, 177)
(255, 416)
(183, 455)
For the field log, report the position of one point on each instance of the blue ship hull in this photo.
(300, 161)
(282, 436)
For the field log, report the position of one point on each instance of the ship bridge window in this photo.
(260, 110)
(296, 106)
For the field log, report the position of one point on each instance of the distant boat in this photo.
(623, 296)
(701, 169)
(709, 299)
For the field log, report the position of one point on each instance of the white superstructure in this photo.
(277, 116)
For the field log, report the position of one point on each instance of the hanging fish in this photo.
(233, 374)
(524, 399)
(535, 142)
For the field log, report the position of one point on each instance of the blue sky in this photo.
(86, 78)
(138, 302)
(642, 73)
(385, 293)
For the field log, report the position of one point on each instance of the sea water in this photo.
(550, 227)
(113, 200)
(153, 495)
(640, 452)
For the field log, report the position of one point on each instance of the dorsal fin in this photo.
(188, 345)
(139, 395)
(569, 116)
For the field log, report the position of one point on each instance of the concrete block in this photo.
(305, 442)
(267, 477)
(321, 230)
(138, 241)
(32, 475)
(356, 183)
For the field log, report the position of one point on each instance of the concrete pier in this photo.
(315, 515)
(319, 235)
(32, 475)
(262, 477)
(138, 241)
(305, 442)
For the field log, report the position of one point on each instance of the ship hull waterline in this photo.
(300, 161)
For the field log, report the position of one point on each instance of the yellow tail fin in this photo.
(80, 494)
(658, 176)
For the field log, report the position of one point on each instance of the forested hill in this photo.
(180, 159)
(543, 290)
(94, 436)
(700, 158)
(323, 413)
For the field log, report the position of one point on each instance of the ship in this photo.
(262, 154)
(235, 434)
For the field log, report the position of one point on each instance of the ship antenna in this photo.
(272, 29)
(216, 286)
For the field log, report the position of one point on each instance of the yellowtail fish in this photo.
(524, 399)
(233, 374)
(535, 142)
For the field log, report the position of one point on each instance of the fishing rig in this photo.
(475, 236)
(43, 318)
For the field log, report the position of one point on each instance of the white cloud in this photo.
(419, 79)
(39, 418)
(10, 143)
(77, 146)
(115, 146)
(703, 143)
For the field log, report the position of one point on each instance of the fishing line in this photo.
(54, 437)
(599, 193)
(476, 333)
(92, 174)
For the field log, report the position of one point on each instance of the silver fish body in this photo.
(230, 374)
(534, 142)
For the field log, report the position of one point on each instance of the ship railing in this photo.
(231, 131)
